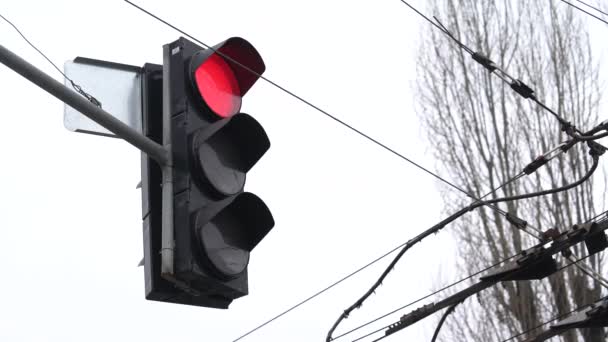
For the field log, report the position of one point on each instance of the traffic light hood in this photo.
(242, 58)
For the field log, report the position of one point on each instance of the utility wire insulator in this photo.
(551, 234)
(595, 315)
(522, 89)
(535, 165)
(595, 149)
(516, 221)
(533, 263)
(484, 61)
(567, 145)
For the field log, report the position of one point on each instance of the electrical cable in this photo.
(299, 98)
(337, 120)
(442, 320)
(76, 87)
(447, 287)
(590, 272)
(453, 284)
(547, 322)
(404, 249)
(558, 270)
(587, 12)
(595, 152)
(309, 103)
(593, 7)
(582, 137)
(425, 297)
(517, 85)
(323, 112)
(317, 293)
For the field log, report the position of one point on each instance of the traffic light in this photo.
(213, 145)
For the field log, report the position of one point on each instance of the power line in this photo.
(299, 98)
(593, 7)
(76, 87)
(547, 322)
(442, 320)
(335, 119)
(317, 294)
(423, 298)
(542, 243)
(344, 124)
(558, 270)
(595, 151)
(516, 84)
(587, 12)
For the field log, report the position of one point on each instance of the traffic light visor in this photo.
(223, 74)
(229, 230)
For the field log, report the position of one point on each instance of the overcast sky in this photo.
(70, 215)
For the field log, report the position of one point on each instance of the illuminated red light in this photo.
(218, 86)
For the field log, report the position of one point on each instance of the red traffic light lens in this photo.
(218, 86)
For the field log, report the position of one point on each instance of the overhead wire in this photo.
(547, 322)
(344, 124)
(517, 85)
(297, 97)
(590, 272)
(587, 12)
(595, 152)
(335, 119)
(423, 298)
(569, 186)
(568, 313)
(76, 87)
(389, 325)
(592, 7)
(445, 315)
(526, 92)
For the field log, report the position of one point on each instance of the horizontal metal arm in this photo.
(73, 99)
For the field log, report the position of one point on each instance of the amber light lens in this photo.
(218, 86)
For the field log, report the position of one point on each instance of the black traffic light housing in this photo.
(215, 223)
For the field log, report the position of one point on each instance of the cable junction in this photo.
(532, 264)
(517, 85)
(595, 150)
(542, 243)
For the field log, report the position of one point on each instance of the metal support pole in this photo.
(167, 252)
(73, 99)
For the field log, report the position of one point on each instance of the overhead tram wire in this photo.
(323, 112)
(558, 270)
(517, 85)
(550, 321)
(423, 298)
(299, 98)
(441, 290)
(472, 206)
(590, 272)
(317, 108)
(339, 121)
(405, 247)
(595, 151)
(76, 87)
(442, 320)
(592, 7)
(587, 12)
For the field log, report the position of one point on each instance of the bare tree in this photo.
(482, 133)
